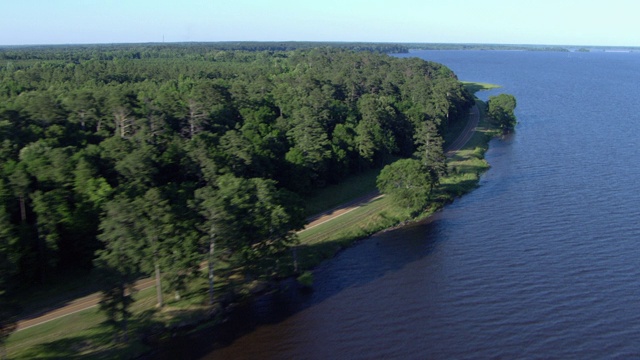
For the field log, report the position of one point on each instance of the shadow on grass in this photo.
(38, 300)
(88, 346)
(100, 342)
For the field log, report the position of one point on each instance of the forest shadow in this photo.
(61, 293)
(348, 267)
(101, 341)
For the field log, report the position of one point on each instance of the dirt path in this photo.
(467, 132)
(92, 300)
(72, 307)
(463, 138)
(340, 210)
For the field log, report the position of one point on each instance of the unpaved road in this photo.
(463, 138)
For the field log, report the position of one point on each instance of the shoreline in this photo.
(161, 335)
(205, 328)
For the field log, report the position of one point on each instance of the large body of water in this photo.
(541, 261)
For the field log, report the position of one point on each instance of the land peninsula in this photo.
(199, 167)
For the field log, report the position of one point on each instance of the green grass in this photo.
(57, 291)
(474, 87)
(465, 167)
(467, 164)
(334, 195)
(82, 334)
(325, 240)
(456, 127)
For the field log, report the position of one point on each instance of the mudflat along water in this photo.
(541, 261)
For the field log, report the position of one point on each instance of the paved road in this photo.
(92, 300)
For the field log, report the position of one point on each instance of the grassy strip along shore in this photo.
(465, 168)
(84, 334)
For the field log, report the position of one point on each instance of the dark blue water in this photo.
(541, 261)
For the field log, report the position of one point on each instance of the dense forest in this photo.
(192, 51)
(154, 159)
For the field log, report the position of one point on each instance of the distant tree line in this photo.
(152, 164)
(192, 50)
(445, 46)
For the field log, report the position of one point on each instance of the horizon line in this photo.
(319, 42)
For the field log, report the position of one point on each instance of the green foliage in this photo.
(474, 87)
(8, 266)
(145, 157)
(430, 152)
(501, 110)
(375, 132)
(256, 220)
(407, 182)
(306, 279)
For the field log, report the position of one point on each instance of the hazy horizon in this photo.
(324, 42)
(500, 22)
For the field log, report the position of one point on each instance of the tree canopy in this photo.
(408, 183)
(139, 159)
(501, 109)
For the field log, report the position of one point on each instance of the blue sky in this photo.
(565, 22)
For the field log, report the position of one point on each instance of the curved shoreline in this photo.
(92, 300)
(461, 140)
(211, 317)
(210, 330)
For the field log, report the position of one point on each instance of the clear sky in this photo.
(550, 22)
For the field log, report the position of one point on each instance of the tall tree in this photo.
(8, 266)
(310, 154)
(52, 213)
(501, 109)
(256, 220)
(83, 108)
(430, 151)
(124, 122)
(207, 206)
(156, 225)
(120, 261)
(20, 182)
(406, 182)
(375, 134)
(196, 118)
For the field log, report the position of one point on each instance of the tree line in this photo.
(154, 164)
(193, 50)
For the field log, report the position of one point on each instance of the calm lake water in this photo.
(541, 261)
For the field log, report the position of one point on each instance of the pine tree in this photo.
(119, 262)
(430, 152)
